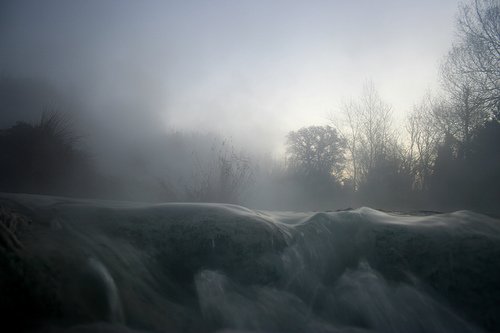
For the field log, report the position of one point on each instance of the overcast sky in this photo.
(252, 70)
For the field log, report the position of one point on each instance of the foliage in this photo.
(471, 182)
(42, 158)
(316, 150)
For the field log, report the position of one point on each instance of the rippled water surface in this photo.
(91, 266)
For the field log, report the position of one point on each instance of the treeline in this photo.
(47, 157)
(448, 154)
(445, 156)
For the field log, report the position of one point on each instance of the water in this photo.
(93, 266)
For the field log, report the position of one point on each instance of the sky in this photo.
(250, 70)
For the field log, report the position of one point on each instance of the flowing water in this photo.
(93, 266)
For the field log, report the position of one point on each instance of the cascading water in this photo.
(92, 266)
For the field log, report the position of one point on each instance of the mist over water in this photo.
(261, 166)
(270, 105)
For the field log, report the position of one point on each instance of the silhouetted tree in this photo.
(42, 158)
(389, 183)
(465, 116)
(224, 177)
(479, 26)
(316, 150)
(471, 72)
(445, 181)
(426, 128)
(464, 172)
(21, 98)
(368, 132)
(472, 182)
(316, 160)
(484, 166)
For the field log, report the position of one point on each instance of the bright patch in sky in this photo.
(251, 70)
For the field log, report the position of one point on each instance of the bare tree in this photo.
(367, 131)
(426, 127)
(471, 72)
(349, 130)
(223, 177)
